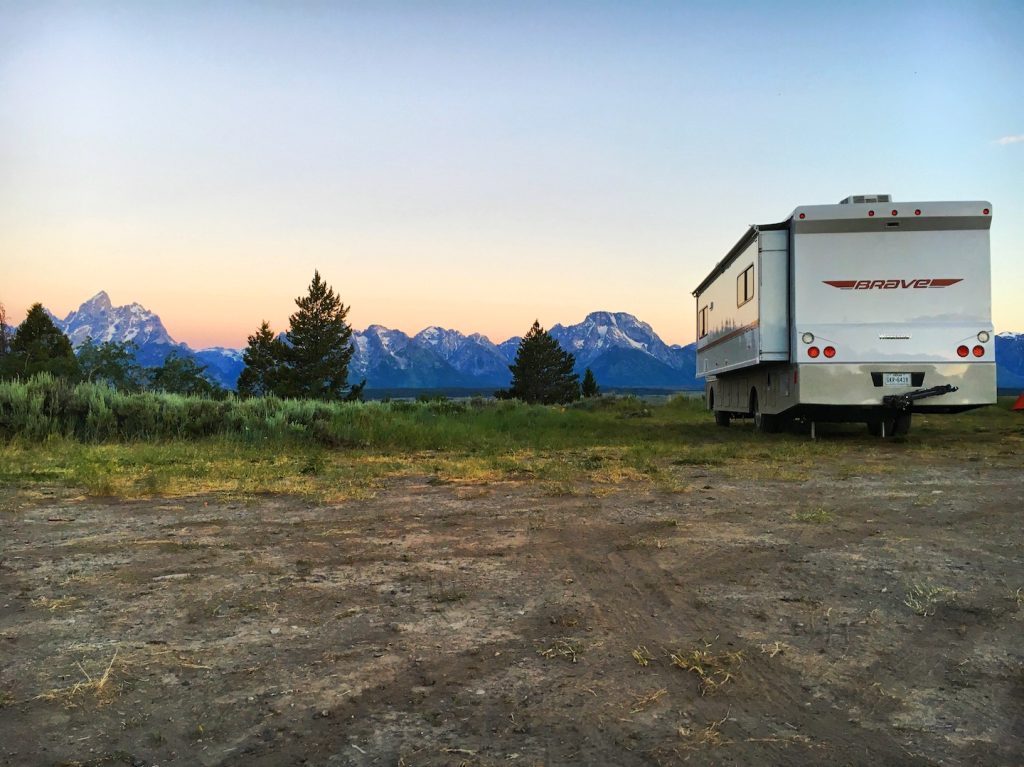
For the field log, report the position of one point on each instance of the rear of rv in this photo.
(891, 299)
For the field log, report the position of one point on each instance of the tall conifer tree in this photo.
(263, 358)
(319, 347)
(38, 346)
(543, 372)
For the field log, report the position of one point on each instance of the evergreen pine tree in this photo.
(590, 387)
(263, 358)
(543, 371)
(319, 347)
(39, 346)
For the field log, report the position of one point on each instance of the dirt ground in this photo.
(848, 619)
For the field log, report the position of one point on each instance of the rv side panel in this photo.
(730, 305)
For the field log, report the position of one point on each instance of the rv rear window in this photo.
(702, 322)
(745, 286)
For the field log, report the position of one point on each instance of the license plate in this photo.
(895, 379)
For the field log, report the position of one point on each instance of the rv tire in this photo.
(722, 417)
(763, 422)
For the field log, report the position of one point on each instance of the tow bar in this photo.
(906, 401)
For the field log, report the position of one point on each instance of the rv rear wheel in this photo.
(763, 422)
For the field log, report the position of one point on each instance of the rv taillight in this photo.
(871, 212)
(813, 352)
(803, 215)
(830, 351)
(962, 351)
(917, 212)
(979, 351)
(894, 212)
(985, 212)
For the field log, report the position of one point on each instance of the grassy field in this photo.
(92, 441)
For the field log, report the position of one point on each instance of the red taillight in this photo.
(979, 351)
(917, 212)
(813, 352)
(985, 212)
(803, 215)
(830, 351)
(871, 212)
(962, 351)
(894, 212)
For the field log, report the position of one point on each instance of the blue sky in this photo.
(476, 165)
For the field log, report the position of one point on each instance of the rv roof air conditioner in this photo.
(866, 198)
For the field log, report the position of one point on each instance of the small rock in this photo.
(275, 630)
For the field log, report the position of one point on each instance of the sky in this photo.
(476, 165)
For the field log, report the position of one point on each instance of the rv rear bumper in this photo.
(854, 384)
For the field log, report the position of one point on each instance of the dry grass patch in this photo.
(925, 597)
(59, 603)
(642, 701)
(714, 669)
(709, 735)
(99, 689)
(567, 648)
(642, 656)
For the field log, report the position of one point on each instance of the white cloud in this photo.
(1018, 139)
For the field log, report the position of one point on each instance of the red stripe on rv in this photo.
(841, 284)
(945, 283)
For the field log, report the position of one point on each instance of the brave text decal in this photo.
(917, 282)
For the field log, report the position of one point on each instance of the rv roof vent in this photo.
(866, 198)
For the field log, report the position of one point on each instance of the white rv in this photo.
(862, 311)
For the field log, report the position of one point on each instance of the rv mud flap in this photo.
(906, 401)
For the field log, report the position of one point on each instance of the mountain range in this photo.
(623, 351)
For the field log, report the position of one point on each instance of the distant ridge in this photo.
(623, 352)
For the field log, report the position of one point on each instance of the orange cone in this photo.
(1019, 404)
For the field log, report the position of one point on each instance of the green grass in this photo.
(92, 440)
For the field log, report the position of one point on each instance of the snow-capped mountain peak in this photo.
(100, 320)
(98, 303)
(445, 342)
(601, 331)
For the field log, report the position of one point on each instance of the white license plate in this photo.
(895, 379)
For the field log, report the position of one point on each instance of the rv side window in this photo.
(745, 286)
(702, 322)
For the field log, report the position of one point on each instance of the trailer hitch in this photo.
(906, 401)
